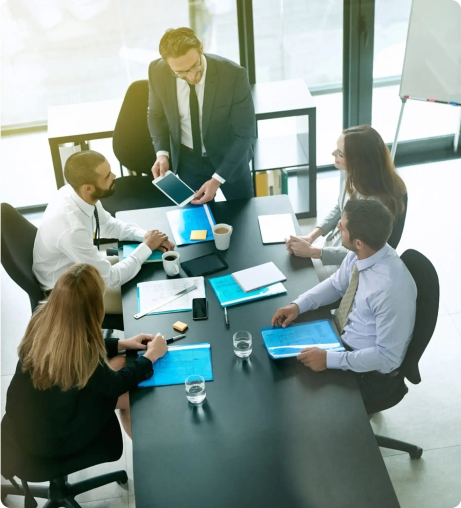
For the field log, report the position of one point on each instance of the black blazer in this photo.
(228, 117)
(52, 423)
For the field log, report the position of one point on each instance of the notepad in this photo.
(290, 341)
(275, 228)
(230, 293)
(153, 293)
(178, 363)
(258, 276)
(192, 218)
(155, 257)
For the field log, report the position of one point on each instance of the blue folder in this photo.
(178, 363)
(290, 341)
(129, 249)
(230, 293)
(192, 218)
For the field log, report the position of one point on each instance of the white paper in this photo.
(275, 228)
(155, 292)
(258, 277)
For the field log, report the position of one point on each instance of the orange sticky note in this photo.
(199, 234)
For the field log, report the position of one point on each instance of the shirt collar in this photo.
(81, 203)
(363, 264)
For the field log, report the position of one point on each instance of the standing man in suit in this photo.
(201, 118)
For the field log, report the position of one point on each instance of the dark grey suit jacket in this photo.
(228, 117)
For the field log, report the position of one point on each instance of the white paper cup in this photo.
(171, 266)
(222, 240)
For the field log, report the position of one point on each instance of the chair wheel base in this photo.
(416, 454)
(124, 479)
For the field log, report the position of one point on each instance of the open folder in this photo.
(290, 341)
(191, 218)
(178, 363)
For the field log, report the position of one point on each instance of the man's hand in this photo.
(314, 358)
(161, 166)
(166, 246)
(206, 192)
(153, 239)
(302, 248)
(136, 342)
(156, 348)
(286, 315)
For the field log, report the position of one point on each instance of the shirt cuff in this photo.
(333, 359)
(219, 178)
(163, 152)
(141, 253)
(139, 234)
(303, 304)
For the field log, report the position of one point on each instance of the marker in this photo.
(177, 337)
(226, 317)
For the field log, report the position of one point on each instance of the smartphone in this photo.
(199, 308)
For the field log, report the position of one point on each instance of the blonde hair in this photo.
(63, 344)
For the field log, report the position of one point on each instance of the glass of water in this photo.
(195, 389)
(243, 344)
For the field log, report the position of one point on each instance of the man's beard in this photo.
(103, 193)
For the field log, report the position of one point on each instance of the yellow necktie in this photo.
(342, 315)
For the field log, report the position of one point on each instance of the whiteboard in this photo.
(432, 65)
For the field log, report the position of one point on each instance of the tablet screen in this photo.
(204, 265)
(174, 188)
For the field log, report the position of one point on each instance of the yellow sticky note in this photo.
(199, 234)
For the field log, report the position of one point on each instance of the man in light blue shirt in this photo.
(379, 325)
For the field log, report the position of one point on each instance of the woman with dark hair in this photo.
(366, 172)
(65, 388)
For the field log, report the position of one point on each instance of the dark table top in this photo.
(270, 433)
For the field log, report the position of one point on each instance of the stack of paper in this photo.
(258, 276)
(178, 363)
(153, 293)
(230, 293)
(194, 218)
(290, 341)
(275, 228)
(156, 255)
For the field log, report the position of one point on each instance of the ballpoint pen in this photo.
(177, 337)
(226, 317)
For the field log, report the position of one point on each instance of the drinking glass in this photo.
(243, 344)
(195, 389)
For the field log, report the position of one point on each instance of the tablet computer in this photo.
(204, 265)
(173, 187)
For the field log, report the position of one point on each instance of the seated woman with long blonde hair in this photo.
(65, 387)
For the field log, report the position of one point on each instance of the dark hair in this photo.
(370, 170)
(369, 221)
(80, 168)
(177, 42)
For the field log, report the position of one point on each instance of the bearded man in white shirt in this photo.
(75, 217)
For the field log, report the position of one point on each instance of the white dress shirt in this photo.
(382, 316)
(65, 237)
(183, 92)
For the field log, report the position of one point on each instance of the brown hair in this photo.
(369, 221)
(370, 170)
(63, 343)
(80, 168)
(177, 42)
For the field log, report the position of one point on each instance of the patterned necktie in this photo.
(195, 124)
(342, 315)
(96, 234)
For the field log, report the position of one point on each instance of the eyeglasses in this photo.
(197, 67)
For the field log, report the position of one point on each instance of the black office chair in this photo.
(108, 447)
(133, 148)
(427, 308)
(397, 230)
(18, 237)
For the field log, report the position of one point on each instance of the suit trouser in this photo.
(113, 297)
(195, 177)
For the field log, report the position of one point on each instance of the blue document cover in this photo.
(129, 249)
(192, 218)
(230, 293)
(290, 341)
(180, 362)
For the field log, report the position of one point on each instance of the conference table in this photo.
(270, 433)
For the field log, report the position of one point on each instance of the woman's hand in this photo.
(137, 342)
(156, 348)
(302, 248)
